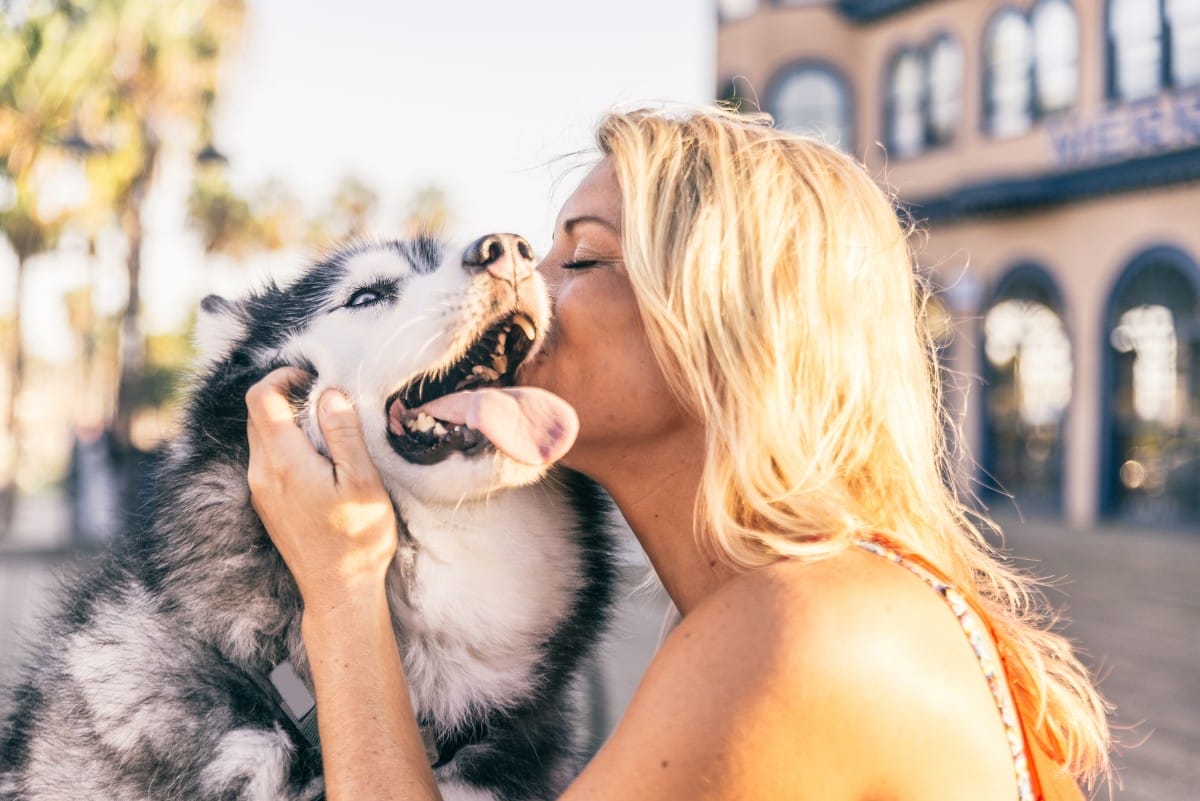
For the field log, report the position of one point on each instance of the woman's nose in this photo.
(507, 257)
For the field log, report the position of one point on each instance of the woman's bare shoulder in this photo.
(845, 678)
(834, 614)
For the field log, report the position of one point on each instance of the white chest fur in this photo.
(488, 583)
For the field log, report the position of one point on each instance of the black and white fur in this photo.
(147, 683)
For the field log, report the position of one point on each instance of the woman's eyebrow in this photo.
(587, 218)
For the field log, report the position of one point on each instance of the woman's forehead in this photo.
(597, 200)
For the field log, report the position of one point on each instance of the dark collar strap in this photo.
(444, 750)
(290, 693)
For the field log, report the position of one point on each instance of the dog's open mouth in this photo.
(490, 362)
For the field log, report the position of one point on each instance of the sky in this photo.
(478, 97)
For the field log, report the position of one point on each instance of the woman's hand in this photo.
(333, 522)
(330, 518)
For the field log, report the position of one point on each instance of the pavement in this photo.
(1132, 597)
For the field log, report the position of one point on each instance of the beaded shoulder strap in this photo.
(989, 661)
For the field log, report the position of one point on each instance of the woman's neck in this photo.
(656, 487)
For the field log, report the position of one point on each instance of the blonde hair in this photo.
(780, 297)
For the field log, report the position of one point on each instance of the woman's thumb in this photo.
(343, 435)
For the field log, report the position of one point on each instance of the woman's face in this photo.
(597, 356)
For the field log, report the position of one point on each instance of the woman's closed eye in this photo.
(584, 262)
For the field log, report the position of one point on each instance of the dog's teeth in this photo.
(500, 363)
(525, 325)
(439, 429)
(423, 423)
(501, 341)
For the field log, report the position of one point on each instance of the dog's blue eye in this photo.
(364, 297)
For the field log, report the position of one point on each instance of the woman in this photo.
(739, 329)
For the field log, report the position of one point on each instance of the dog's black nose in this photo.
(505, 256)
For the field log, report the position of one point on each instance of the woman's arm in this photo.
(334, 525)
(371, 747)
(702, 726)
(840, 680)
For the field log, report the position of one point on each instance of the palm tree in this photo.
(166, 58)
(223, 218)
(428, 210)
(347, 214)
(110, 81)
(46, 66)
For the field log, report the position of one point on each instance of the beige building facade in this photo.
(1050, 150)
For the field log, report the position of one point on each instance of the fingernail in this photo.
(334, 401)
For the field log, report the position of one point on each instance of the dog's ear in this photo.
(219, 327)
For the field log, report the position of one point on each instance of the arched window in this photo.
(1152, 393)
(1135, 48)
(923, 102)
(812, 99)
(1028, 373)
(906, 103)
(1055, 55)
(1183, 21)
(945, 72)
(1008, 68)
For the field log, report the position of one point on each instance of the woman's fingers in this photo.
(331, 520)
(343, 436)
(277, 445)
(270, 412)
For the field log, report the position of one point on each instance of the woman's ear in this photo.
(219, 327)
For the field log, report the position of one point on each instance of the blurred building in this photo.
(1052, 150)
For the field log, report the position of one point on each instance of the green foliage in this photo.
(168, 362)
(347, 214)
(223, 218)
(103, 76)
(428, 210)
(98, 86)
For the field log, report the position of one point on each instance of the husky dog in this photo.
(152, 680)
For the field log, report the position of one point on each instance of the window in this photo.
(945, 88)
(1152, 376)
(1152, 45)
(1055, 55)
(1028, 375)
(906, 103)
(1008, 67)
(924, 96)
(1135, 43)
(813, 100)
(1183, 21)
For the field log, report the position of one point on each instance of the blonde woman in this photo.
(739, 328)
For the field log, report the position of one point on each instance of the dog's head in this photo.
(426, 343)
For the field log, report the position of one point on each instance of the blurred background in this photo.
(154, 151)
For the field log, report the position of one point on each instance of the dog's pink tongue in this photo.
(529, 424)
